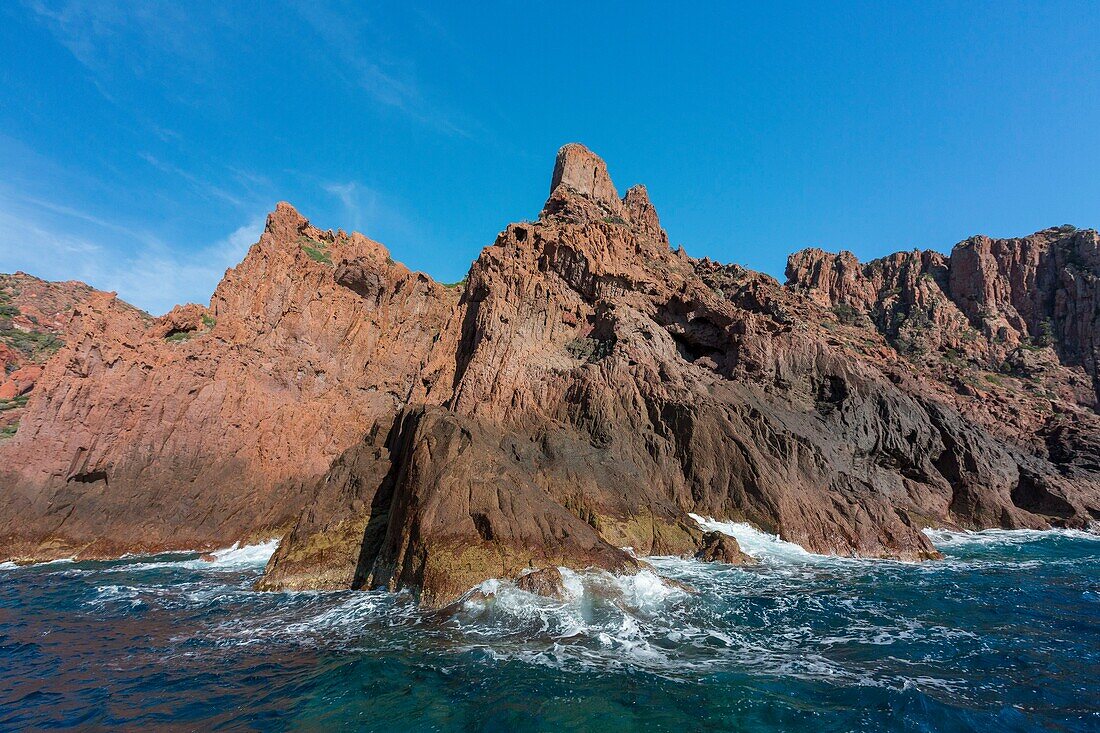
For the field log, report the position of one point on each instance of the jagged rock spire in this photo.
(585, 173)
(581, 189)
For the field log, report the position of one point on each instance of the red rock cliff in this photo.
(211, 425)
(584, 390)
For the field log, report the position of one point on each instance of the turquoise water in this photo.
(1002, 635)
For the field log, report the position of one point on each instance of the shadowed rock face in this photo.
(584, 390)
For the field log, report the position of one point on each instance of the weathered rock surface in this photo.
(211, 425)
(583, 391)
(718, 547)
(33, 316)
(546, 582)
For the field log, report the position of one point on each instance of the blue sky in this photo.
(141, 144)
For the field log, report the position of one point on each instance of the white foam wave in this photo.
(233, 558)
(107, 595)
(642, 622)
(1003, 537)
(237, 557)
(247, 556)
(598, 605)
(754, 542)
(11, 565)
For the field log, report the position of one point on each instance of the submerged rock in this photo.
(546, 582)
(719, 547)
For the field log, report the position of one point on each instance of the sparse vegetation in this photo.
(849, 315)
(315, 250)
(179, 336)
(955, 358)
(317, 255)
(906, 347)
(1045, 334)
(8, 431)
(14, 402)
(7, 310)
(614, 220)
(208, 320)
(460, 284)
(36, 345)
(590, 349)
(919, 318)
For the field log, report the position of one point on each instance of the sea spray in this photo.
(799, 642)
(754, 542)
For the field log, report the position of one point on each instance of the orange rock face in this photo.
(582, 392)
(213, 424)
(33, 317)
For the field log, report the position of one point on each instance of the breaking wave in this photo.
(754, 542)
(233, 558)
(867, 635)
(942, 538)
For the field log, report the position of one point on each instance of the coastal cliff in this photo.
(582, 391)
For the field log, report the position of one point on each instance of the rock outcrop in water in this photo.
(718, 547)
(581, 392)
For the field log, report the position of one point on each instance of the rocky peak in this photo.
(285, 223)
(581, 193)
(642, 214)
(581, 188)
(827, 278)
(584, 172)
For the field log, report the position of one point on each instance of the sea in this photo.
(1003, 634)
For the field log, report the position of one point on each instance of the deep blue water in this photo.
(1003, 635)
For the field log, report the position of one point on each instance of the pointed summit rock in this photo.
(642, 214)
(585, 173)
(285, 223)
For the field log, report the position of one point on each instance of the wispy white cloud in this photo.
(359, 202)
(94, 31)
(101, 33)
(35, 237)
(200, 185)
(388, 78)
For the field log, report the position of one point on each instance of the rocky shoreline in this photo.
(583, 390)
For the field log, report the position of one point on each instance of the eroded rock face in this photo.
(211, 425)
(582, 392)
(33, 317)
(1012, 322)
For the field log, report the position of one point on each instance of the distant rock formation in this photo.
(33, 317)
(582, 391)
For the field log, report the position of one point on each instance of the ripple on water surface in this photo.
(1004, 634)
